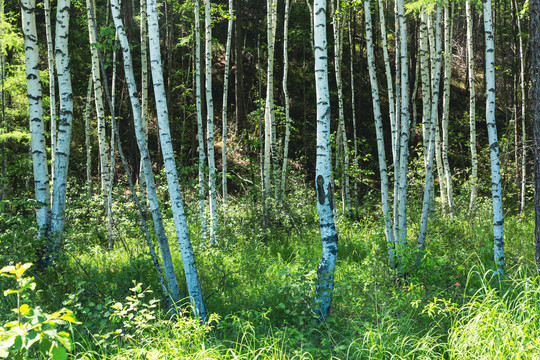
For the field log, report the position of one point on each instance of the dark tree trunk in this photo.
(534, 7)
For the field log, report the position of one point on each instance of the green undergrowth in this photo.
(259, 286)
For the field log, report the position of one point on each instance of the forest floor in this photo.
(259, 287)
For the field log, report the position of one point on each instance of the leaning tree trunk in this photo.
(35, 105)
(182, 233)
(492, 137)
(325, 193)
(64, 124)
(171, 290)
(534, 38)
(225, 104)
(472, 106)
(210, 123)
(380, 138)
(200, 129)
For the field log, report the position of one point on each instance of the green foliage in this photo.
(31, 330)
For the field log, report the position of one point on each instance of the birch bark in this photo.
(144, 94)
(200, 130)
(188, 258)
(210, 123)
(325, 194)
(353, 109)
(534, 41)
(35, 105)
(286, 97)
(64, 124)
(88, 143)
(225, 105)
(448, 27)
(52, 87)
(472, 106)
(172, 289)
(380, 138)
(492, 137)
(523, 113)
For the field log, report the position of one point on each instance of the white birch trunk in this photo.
(325, 193)
(523, 113)
(472, 106)
(200, 129)
(338, 44)
(270, 151)
(380, 138)
(448, 27)
(52, 88)
(144, 94)
(426, 86)
(353, 102)
(404, 132)
(35, 107)
(64, 124)
(286, 97)
(210, 123)
(100, 109)
(88, 143)
(432, 135)
(225, 104)
(188, 258)
(492, 136)
(163, 242)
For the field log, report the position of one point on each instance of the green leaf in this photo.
(69, 317)
(45, 346)
(59, 353)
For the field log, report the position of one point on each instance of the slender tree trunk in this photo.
(88, 143)
(64, 125)
(448, 27)
(171, 290)
(493, 143)
(380, 138)
(523, 113)
(472, 106)
(404, 132)
(353, 103)
(112, 156)
(3, 183)
(534, 39)
(261, 140)
(210, 123)
(432, 135)
(286, 101)
(35, 107)
(338, 45)
(325, 193)
(100, 109)
(225, 105)
(52, 88)
(200, 129)
(144, 95)
(182, 233)
(269, 114)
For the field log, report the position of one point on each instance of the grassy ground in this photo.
(260, 294)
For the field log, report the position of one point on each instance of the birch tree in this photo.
(88, 144)
(286, 98)
(163, 242)
(492, 137)
(472, 106)
(100, 108)
(534, 41)
(380, 138)
(35, 107)
(144, 93)
(353, 109)
(325, 193)
(182, 233)
(210, 122)
(200, 133)
(270, 151)
(225, 104)
(523, 113)
(65, 122)
(338, 44)
(448, 27)
(52, 87)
